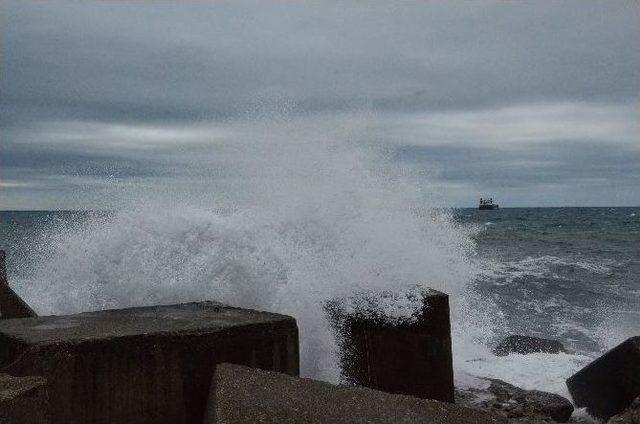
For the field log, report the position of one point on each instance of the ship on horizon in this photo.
(487, 204)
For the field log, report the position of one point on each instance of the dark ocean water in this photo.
(567, 273)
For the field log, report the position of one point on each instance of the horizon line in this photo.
(443, 207)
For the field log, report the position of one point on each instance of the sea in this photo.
(569, 274)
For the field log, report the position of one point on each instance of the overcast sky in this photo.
(536, 103)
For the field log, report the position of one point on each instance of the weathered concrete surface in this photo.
(143, 365)
(408, 358)
(242, 395)
(610, 383)
(11, 305)
(527, 344)
(631, 415)
(516, 404)
(23, 400)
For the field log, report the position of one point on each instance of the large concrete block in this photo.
(23, 400)
(241, 395)
(11, 305)
(143, 365)
(609, 384)
(631, 415)
(408, 358)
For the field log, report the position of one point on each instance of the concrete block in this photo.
(410, 358)
(631, 415)
(242, 395)
(23, 400)
(609, 384)
(11, 305)
(143, 365)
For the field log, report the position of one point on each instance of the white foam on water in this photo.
(539, 371)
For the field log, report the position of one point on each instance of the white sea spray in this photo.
(313, 212)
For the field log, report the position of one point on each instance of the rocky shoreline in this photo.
(603, 386)
(516, 404)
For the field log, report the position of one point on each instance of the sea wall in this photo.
(143, 365)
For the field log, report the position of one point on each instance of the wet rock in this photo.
(242, 395)
(631, 415)
(609, 384)
(411, 358)
(527, 344)
(23, 400)
(516, 404)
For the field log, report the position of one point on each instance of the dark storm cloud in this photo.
(43, 162)
(145, 61)
(597, 174)
(177, 63)
(530, 165)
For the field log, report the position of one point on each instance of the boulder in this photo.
(11, 305)
(631, 415)
(609, 384)
(23, 400)
(516, 404)
(143, 365)
(411, 358)
(527, 344)
(241, 395)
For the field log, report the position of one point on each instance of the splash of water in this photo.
(313, 211)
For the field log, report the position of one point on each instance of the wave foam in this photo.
(316, 216)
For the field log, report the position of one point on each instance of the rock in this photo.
(241, 395)
(23, 400)
(143, 365)
(527, 344)
(11, 305)
(516, 404)
(631, 415)
(610, 383)
(406, 358)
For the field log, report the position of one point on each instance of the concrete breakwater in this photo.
(245, 395)
(156, 364)
(411, 358)
(609, 384)
(160, 364)
(153, 362)
(23, 400)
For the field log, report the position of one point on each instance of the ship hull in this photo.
(488, 207)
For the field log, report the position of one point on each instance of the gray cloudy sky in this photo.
(537, 103)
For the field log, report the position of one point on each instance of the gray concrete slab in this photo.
(143, 365)
(242, 395)
(192, 318)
